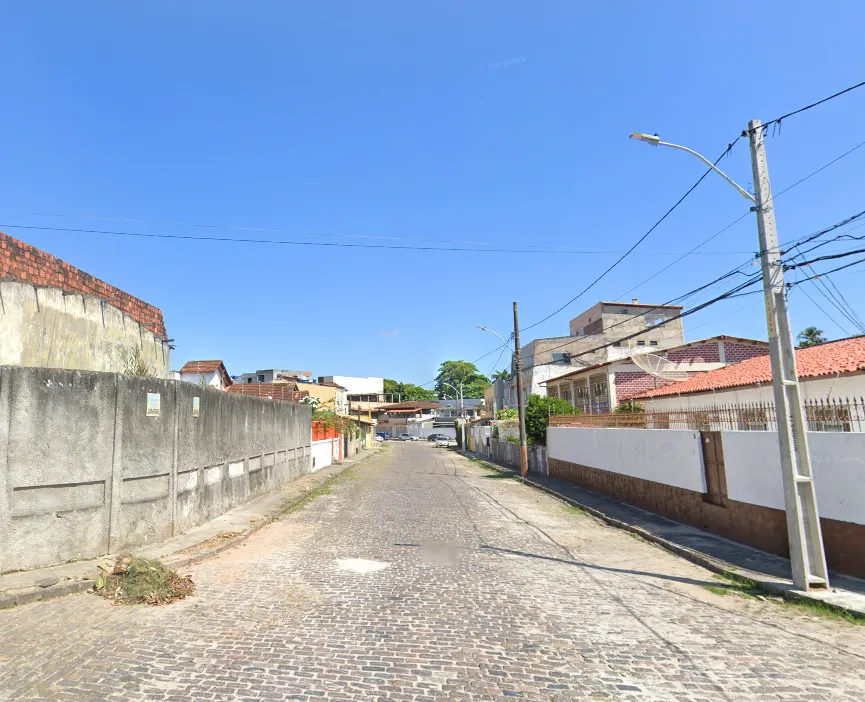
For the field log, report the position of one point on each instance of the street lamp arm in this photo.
(744, 193)
(655, 140)
(483, 328)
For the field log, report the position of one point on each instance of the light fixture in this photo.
(652, 139)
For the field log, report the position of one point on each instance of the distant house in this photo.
(209, 373)
(272, 391)
(270, 375)
(832, 370)
(600, 387)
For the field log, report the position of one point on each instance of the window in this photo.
(641, 343)
(582, 331)
(623, 311)
(617, 343)
(261, 377)
(249, 380)
(654, 322)
(653, 343)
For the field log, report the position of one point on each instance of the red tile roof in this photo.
(844, 356)
(23, 262)
(275, 391)
(200, 366)
(208, 367)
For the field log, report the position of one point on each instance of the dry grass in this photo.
(143, 580)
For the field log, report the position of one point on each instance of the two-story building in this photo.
(594, 338)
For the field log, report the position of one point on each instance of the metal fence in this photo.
(837, 415)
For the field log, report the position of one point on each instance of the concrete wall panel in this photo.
(85, 470)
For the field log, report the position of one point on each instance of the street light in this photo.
(655, 140)
(518, 371)
(458, 400)
(807, 556)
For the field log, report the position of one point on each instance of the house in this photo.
(331, 396)
(53, 315)
(361, 393)
(593, 339)
(418, 418)
(600, 387)
(273, 391)
(209, 373)
(834, 369)
(269, 375)
(471, 408)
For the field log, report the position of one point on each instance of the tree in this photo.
(810, 337)
(407, 391)
(455, 372)
(538, 411)
(508, 413)
(503, 374)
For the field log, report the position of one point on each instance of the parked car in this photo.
(433, 437)
(443, 441)
(382, 436)
(379, 438)
(406, 437)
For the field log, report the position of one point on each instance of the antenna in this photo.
(658, 366)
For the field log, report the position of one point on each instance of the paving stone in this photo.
(492, 591)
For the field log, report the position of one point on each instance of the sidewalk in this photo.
(720, 555)
(197, 544)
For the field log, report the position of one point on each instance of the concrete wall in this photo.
(812, 389)
(665, 456)
(325, 452)
(46, 327)
(509, 453)
(85, 471)
(662, 471)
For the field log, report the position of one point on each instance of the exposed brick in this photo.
(20, 261)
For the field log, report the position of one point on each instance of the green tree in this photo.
(503, 374)
(407, 391)
(538, 411)
(455, 372)
(810, 337)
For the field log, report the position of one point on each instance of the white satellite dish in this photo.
(659, 366)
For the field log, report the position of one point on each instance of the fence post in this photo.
(116, 487)
(5, 428)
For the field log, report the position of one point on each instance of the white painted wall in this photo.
(323, 452)
(668, 456)
(357, 386)
(812, 389)
(212, 379)
(753, 466)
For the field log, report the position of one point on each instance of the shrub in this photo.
(628, 407)
(538, 412)
(508, 413)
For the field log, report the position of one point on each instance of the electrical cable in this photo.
(334, 244)
(778, 120)
(637, 243)
(819, 307)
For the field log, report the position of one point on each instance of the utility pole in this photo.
(807, 557)
(524, 450)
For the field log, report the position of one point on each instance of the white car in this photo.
(443, 441)
(406, 437)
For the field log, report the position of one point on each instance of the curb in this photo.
(40, 594)
(701, 559)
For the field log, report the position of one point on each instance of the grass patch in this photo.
(716, 590)
(745, 587)
(137, 580)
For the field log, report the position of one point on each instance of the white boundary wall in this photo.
(668, 456)
(753, 466)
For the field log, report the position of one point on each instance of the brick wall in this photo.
(706, 353)
(276, 391)
(734, 353)
(630, 383)
(23, 262)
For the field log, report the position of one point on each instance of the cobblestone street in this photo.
(423, 576)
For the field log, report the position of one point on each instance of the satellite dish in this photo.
(659, 366)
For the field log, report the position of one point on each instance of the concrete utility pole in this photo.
(807, 557)
(524, 450)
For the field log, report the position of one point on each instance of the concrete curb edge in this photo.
(40, 594)
(715, 565)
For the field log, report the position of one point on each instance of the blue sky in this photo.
(387, 119)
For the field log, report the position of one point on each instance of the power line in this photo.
(778, 120)
(333, 244)
(637, 243)
(817, 305)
